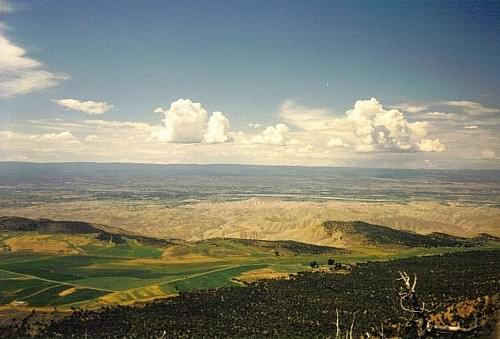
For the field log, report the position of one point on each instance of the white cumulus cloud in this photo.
(90, 107)
(377, 128)
(217, 129)
(187, 122)
(367, 127)
(159, 110)
(273, 135)
(336, 142)
(429, 145)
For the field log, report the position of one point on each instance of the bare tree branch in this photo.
(352, 324)
(337, 323)
(420, 315)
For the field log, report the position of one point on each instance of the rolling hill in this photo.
(47, 226)
(278, 247)
(362, 233)
(19, 224)
(66, 231)
(343, 233)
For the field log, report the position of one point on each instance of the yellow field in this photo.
(39, 243)
(67, 292)
(260, 274)
(141, 293)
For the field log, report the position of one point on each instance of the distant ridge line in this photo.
(247, 165)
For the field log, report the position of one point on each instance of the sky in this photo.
(320, 83)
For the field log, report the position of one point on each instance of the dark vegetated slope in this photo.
(304, 306)
(485, 237)
(19, 224)
(445, 236)
(105, 233)
(283, 246)
(370, 234)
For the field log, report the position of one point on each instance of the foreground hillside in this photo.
(458, 288)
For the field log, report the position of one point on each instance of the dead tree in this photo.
(418, 324)
(348, 333)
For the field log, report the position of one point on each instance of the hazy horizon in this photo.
(176, 182)
(492, 169)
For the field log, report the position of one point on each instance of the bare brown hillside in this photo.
(270, 219)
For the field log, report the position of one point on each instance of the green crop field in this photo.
(218, 278)
(17, 289)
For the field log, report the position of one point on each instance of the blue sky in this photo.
(257, 62)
